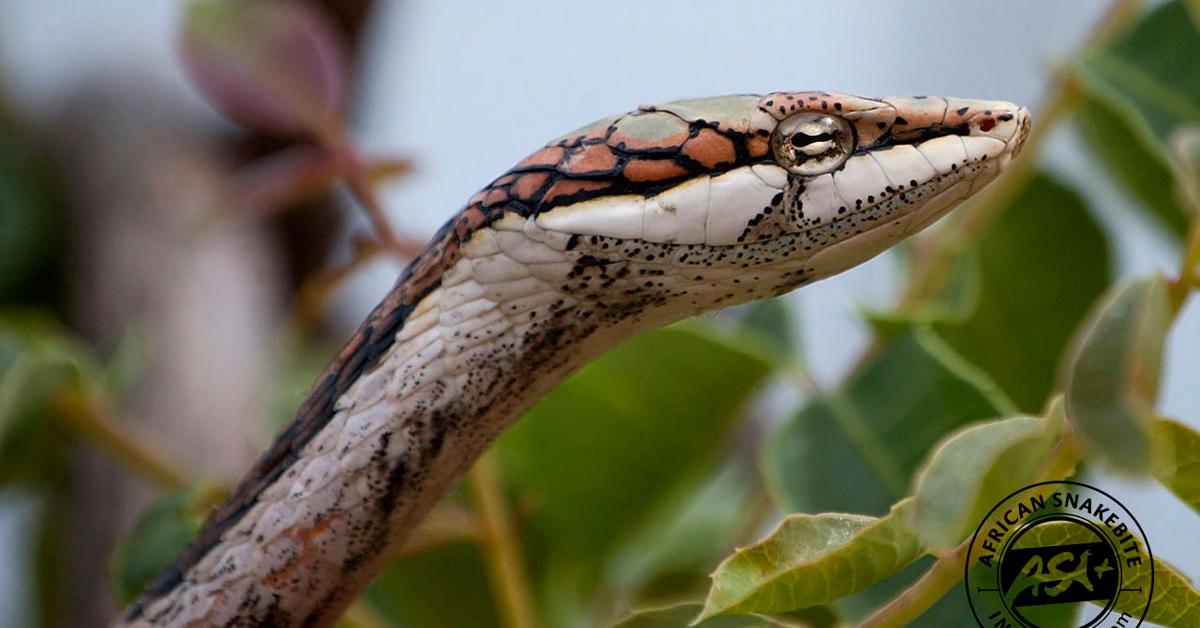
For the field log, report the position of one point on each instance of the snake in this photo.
(629, 223)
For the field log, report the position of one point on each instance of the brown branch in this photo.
(501, 551)
(361, 187)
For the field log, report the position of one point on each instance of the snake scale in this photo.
(626, 224)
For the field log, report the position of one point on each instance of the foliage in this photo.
(630, 486)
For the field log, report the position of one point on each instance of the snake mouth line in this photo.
(877, 187)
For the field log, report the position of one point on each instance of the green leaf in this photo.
(1177, 459)
(1033, 292)
(274, 67)
(1114, 376)
(771, 327)
(128, 362)
(1142, 87)
(162, 532)
(953, 304)
(1151, 72)
(37, 363)
(682, 614)
(609, 443)
(444, 587)
(33, 366)
(971, 471)
(1175, 601)
(812, 560)
(1185, 148)
(617, 444)
(671, 556)
(1143, 172)
(950, 610)
(873, 432)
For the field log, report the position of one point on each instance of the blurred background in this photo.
(145, 226)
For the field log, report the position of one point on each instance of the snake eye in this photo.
(812, 143)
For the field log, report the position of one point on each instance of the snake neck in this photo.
(518, 310)
(332, 500)
(437, 372)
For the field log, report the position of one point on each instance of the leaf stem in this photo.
(360, 179)
(1188, 278)
(924, 593)
(88, 417)
(502, 554)
(450, 522)
(362, 189)
(1063, 458)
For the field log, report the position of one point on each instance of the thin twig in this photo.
(924, 593)
(1190, 260)
(501, 551)
(360, 179)
(88, 417)
(450, 522)
(360, 614)
(1064, 457)
(360, 185)
(315, 291)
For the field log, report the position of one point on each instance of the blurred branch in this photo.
(1188, 181)
(363, 615)
(362, 187)
(449, 522)
(88, 417)
(1188, 278)
(500, 547)
(317, 290)
(288, 178)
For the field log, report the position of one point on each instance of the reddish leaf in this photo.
(301, 172)
(278, 67)
(284, 178)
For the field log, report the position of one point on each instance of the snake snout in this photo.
(1026, 122)
(1002, 121)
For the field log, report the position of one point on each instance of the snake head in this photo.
(715, 201)
(803, 183)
